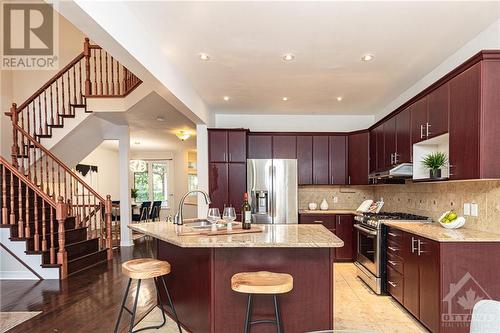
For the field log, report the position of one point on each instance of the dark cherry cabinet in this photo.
(411, 276)
(464, 124)
(389, 128)
(418, 120)
(428, 252)
(403, 150)
(260, 146)
(344, 230)
(380, 138)
(329, 221)
(237, 146)
(284, 146)
(321, 170)
(227, 145)
(218, 184)
(237, 175)
(373, 150)
(305, 159)
(357, 161)
(338, 159)
(438, 109)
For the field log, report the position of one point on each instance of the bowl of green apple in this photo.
(450, 220)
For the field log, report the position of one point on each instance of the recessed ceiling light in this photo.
(368, 57)
(137, 142)
(226, 98)
(339, 98)
(183, 135)
(284, 99)
(288, 56)
(160, 118)
(204, 56)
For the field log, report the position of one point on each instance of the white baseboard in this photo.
(17, 275)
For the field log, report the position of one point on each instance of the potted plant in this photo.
(133, 194)
(434, 162)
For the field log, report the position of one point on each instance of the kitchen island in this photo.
(202, 267)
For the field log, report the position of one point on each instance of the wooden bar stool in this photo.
(147, 268)
(262, 283)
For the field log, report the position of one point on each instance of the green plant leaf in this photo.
(434, 160)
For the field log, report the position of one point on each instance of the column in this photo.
(202, 166)
(125, 185)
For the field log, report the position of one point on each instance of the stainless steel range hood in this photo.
(394, 175)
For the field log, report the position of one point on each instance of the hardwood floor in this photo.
(86, 302)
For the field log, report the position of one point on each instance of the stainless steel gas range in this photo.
(371, 256)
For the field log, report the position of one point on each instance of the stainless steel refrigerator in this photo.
(272, 190)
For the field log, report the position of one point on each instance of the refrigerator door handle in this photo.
(273, 192)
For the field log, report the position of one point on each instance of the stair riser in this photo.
(76, 250)
(72, 236)
(78, 265)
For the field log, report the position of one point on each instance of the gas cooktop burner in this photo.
(373, 219)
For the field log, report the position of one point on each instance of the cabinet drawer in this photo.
(395, 284)
(394, 248)
(395, 262)
(325, 219)
(395, 235)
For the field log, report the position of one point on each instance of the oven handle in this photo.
(366, 231)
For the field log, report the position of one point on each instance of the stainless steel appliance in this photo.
(396, 174)
(272, 189)
(371, 256)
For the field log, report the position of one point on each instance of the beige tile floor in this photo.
(357, 309)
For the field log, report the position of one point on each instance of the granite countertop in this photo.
(328, 211)
(274, 235)
(436, 232)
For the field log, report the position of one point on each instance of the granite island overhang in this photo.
(202, 267)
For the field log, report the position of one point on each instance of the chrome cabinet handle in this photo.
(349, 180)
(392, 284)
(396, 158)
(393, 249)
(393, 234)
(449, 170)
(427, 129)
(413, 248)
(393, 263)
(392, 158)
(421, 131)
(419, 247)
(318, 221)
(229, 157)
(224, 157)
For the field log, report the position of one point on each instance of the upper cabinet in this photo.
(227, 145)
(305, 159)
(321, 169)
(358, 145)
(418, 112)
(260, 146)
(389, 129)
(284, 146)
(338, 159)
(438, 110)
(403, 135)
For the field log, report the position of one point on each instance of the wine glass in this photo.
(213, 216)
(229, 216)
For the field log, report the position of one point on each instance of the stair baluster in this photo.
(4, 196)
(62, 256)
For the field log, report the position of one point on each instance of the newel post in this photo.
(15, 146)
(62, 256)
(108, 216)
(86, 54)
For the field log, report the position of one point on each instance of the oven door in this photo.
(368, 249)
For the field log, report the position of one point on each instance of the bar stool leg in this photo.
(171, 304)
(277, 312)
(123, 305)
(248, 314)
(134, 309)
(160, 302)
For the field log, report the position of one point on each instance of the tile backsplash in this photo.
(428, 199)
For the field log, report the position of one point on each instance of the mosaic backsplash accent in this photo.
(428, 199)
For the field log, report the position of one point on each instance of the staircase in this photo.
(45, 204)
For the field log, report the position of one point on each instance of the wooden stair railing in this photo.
(45, 211)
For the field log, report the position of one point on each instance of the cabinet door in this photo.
(429, 284)
(389, 141)
(237, 178)
(438, 110)
(320, 160)
(304, 159)
(344, 230)
(218, 185)
(237, 146)
(284, 146)
(327, 220)
(357, 162)
(418, 120)
(260, 146)
(373, 150)
(403, 142)
(217, 146)
(379, 132)
(464, 124)
(411, 279)
(338, 160)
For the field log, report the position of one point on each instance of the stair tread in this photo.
(87, 255)
(73, 244)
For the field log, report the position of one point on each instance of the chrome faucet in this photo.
(178, 216)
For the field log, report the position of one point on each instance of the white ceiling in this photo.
(246, 41)
(153, 135)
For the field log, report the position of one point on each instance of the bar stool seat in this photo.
(262, 283)
(146, 268)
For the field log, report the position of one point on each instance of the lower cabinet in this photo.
(341, 226)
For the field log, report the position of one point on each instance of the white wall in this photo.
(294, 123)
(6, 98)
(487, 39)
(11, 269)
(107, 163)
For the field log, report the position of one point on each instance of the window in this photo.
(152, 184)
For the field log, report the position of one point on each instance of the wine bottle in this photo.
(246, 212)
